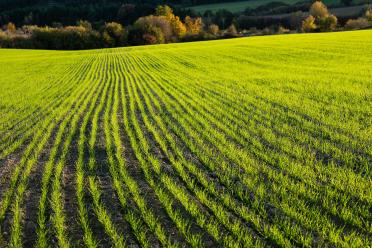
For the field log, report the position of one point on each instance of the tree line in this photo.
(163, 25)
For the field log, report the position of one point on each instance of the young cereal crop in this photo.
(252, 142)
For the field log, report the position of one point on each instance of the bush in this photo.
(283, 30)
(69, 38)
(328, 23)
(231, 32)
(153, 36)
(308, 25)
(359, 23)
(267, 31)
(213, 29)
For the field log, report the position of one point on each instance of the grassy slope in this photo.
(268, 138)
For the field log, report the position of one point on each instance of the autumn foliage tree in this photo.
(85, 24)
(150, 30)
(11, 28)
(231, 31)
(308, 25)
(318, 10)
(368, 14)
(320, 19)
(213, 29)
(361, 22)
(193, 25)
(178, 28)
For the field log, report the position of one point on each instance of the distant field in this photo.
(262, 141)
(242, 5)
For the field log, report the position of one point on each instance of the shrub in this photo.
(308, 25)
(283, 30)
(359, 23)
(267, 31)
(213, 29)
(231, 31)
(3, 39)
(70, 38)
(328, 23)
(150, 39)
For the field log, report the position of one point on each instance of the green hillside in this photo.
(240, 6)
(262, 141)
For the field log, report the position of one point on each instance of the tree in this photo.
(296, 20)
(164, 10)
(150, 39)
(308, 25)
(368, 14)
(85, 24)
(347, 2)
(323, 20)
(126, 13)
(157, 26)
(11, 28)
(193, 25)
(328, 23)
(178, 28)
(213, 29)
(318, 10)
(70, 38)
(28, 19)
(113, 34)
(223, 18)
(231, 31)
(359, 23)
(283, 30)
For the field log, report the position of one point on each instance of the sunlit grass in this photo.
(252, 142)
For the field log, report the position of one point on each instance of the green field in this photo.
(262, 141)
(240, 6)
